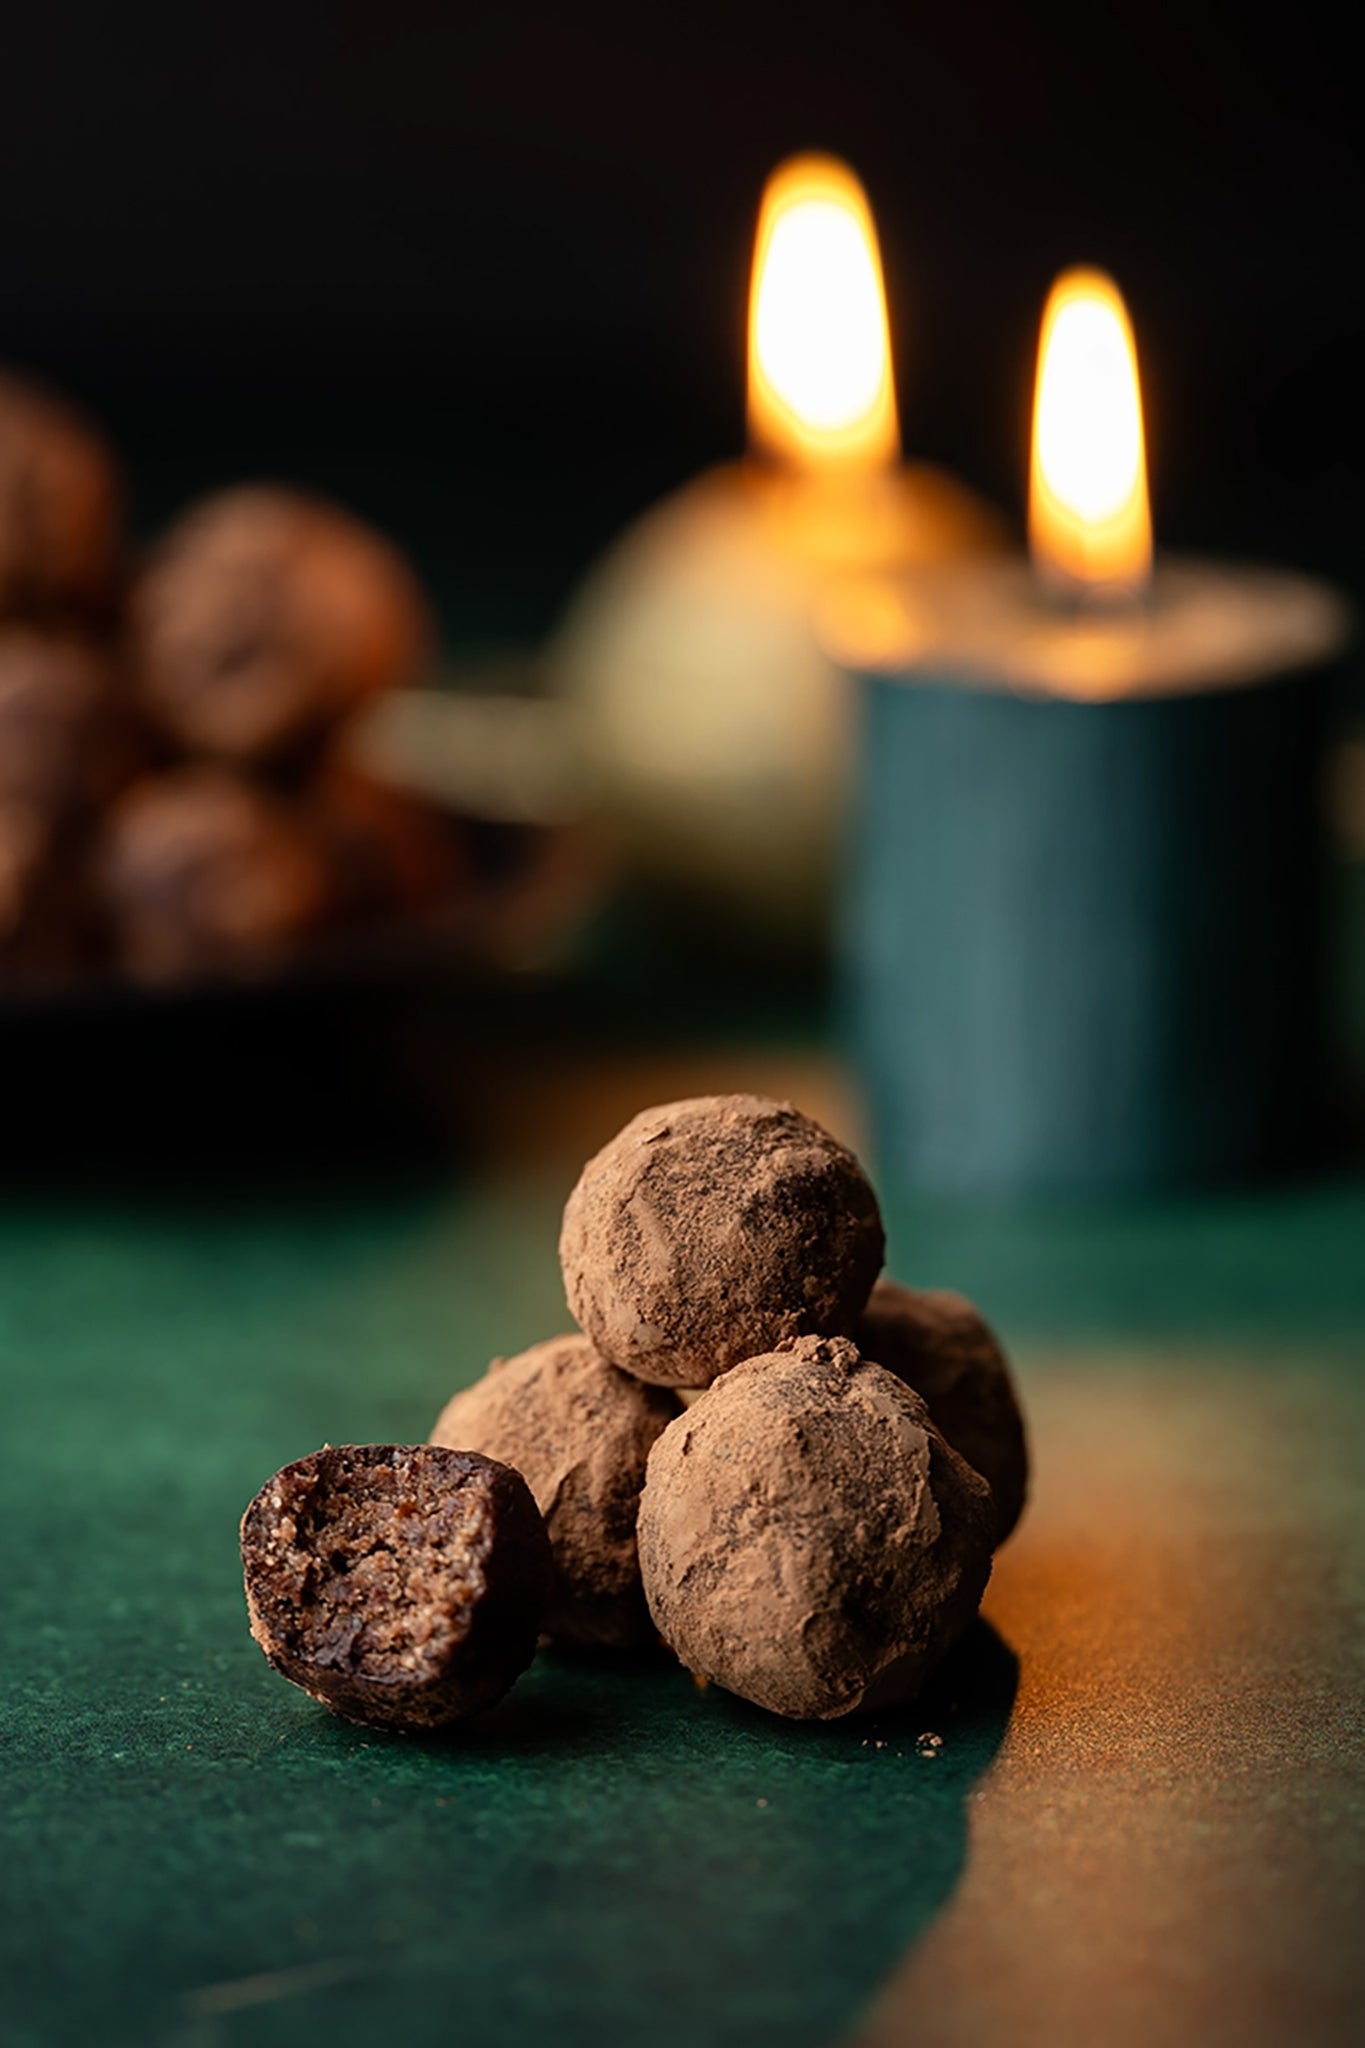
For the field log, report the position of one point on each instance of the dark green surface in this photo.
(197, 1855)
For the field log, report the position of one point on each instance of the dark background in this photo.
(482, 271)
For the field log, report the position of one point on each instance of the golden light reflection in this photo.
(821, 387)
(871, 622)
(1089, 518)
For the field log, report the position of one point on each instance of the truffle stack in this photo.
(807, 1536)
(813, 1530)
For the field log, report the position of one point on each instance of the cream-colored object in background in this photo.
(719, 725)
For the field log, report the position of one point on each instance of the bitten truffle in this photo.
(61, 511)
(938, 1344)
(807, 1538)
(198, 872)
(262, 617)
(712, 1230)
(579, 1432)
(402, 1586)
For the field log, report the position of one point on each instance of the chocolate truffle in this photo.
(60, 507)
(262, 617)
(579, 1432)
(196, 870)
(938, 1344)
(713, 1230)
(398, 1585)
(807, 1538)
(66, 740)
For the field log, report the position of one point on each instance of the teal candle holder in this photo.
(1083, 940)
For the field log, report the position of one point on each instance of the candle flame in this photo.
(1089, 519)
(821, 390)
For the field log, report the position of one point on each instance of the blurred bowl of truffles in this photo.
(232, 761)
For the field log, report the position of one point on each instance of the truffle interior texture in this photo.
(375, 1568)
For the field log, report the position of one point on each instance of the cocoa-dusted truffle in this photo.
(711, 1230)
(263, 616)
(66, 742)
(579, 1432)
(197, 870)
(807, 1538)
(60, 507)
(938, 1344)
(398, 1585)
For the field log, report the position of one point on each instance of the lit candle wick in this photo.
(1090, 526)
(822, 393)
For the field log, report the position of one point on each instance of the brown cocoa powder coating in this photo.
(61, 508)
(263, 616)
(712, 1230)
(399, 1585)
(197, 871)
(579, 1432)
(938, 1344)
(807, 1538)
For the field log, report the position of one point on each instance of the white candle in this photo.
(719, 722)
